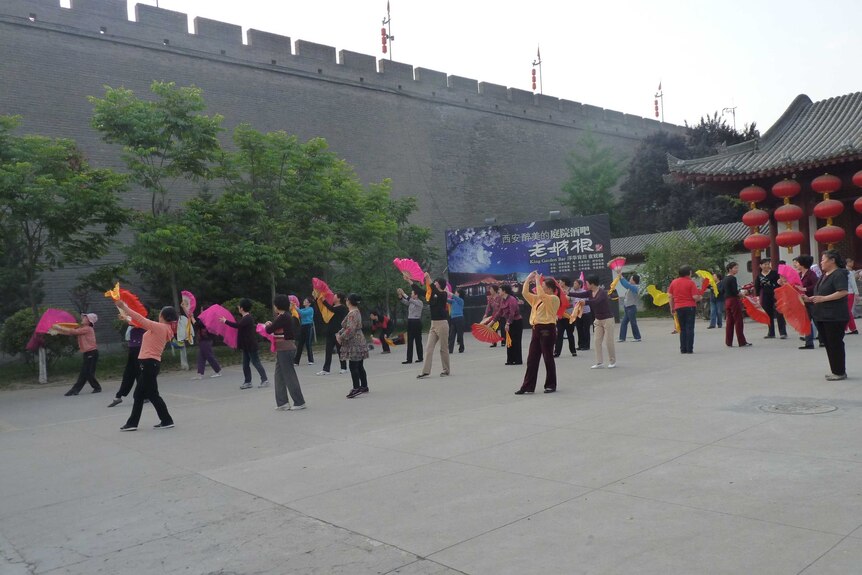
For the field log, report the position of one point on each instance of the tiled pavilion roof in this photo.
(808, 135)
(636, 245)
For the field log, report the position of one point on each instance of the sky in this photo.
(755, 56)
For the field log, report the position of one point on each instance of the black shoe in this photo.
(854, 332)
(97, 390)
(745, 345)
(494, 345)
(768, 337)
(822, 345)
(406, 362)
(806, 347)
(556, 355)
(70, 393)
(163, 425)
(353, 393)
(362, 390)
(549, 390)
(461, 350)
(522, 392)
(574, 354)
(117, 401)
(128, 427)
(422, 375)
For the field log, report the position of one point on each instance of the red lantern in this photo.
(859, 231)
(828, 209)
(790, 238)
(786, 189)
(756, 242)
(788, 213)
(857, 179)
(826, 184)
(857, 205)
(829, 235)
(755, 218)
(752, 194)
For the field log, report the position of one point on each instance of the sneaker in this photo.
(444, 374)
(637, 341)
(806, 347)
(342, 371)
(117, 401)
(522, 391)
(128, 427)
(216, 374)
(321, 372)
(612, 365)
(833, 377)
(297, 407)
(782, 336)
(97, 390)
(246, 385)
(264, 384)
(363, 389)
(621, 341)
(598, 366)
(70, 393)
(550, 390)
(310, 363)
(353, 393)
(285, 407)
(745, 345)
(163, 425)
(197, 377)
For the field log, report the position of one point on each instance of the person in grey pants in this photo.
(286, 380)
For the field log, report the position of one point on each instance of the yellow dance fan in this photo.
(659, 298)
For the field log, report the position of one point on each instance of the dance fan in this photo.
(709, 280)
(790, 275)
(210, 318)
(659, 298)
(616, 266)
(55, 317)
(130, 299)
(754, 310)
(789, 303)
(411, 270)
(321, 292)
(261, 331)
(485, 333)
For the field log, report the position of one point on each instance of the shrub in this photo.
(17, 330)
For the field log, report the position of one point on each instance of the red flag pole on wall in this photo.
(537, 62)
(659, 95)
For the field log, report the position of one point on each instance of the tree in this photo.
(164, 140)
(701, 251)
(54, 209)
(651, 202)
(594, 170)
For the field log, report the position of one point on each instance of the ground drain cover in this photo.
(798, 408)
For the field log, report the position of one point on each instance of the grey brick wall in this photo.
(466, 150)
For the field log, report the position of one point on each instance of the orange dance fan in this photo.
(754, 310)
(789, 303)
(577, 311)
(485, 333)
(127, 297)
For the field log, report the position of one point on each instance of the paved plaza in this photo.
(668, 464)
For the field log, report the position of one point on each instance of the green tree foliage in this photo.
(700, 251)
(594, 170)
(54, 209)
(19, 327)
(164, 140)
(653, 202)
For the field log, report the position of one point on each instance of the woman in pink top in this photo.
(87, 345)
(158, 334)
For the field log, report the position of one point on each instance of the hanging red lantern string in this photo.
(857, 205)
(788, 213)
(754, 218)
(828, 209)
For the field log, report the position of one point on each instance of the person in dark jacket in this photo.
(247, 342)
(764, 287)
(339, 311)
(729, 290)
(831, 312)
(286, 380)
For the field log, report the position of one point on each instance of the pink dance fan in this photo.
(409, 269)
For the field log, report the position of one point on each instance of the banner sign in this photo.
(486, 255)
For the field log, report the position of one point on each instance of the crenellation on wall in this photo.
(521, 97)
(111, 9)
(496, 91)
(170, 30)
(395, 70)
(314, 51)
(430, 78)
(162, 18)
(461, 84)
(274, 44)
(547, 102)
(359, 62)
(228, 35)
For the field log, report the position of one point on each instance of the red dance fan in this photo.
(411, 270)
(754, 310)
(322, 288)
(485, 333)
(789, 303)
(617, 264)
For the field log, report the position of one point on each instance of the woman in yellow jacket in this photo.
(543, 317)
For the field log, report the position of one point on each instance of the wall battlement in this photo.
(162, 29)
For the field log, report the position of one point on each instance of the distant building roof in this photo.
(636, 245)
(808, 135)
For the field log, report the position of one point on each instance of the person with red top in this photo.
(89, 349)
(158, 334)
(683, 295)
(509, 314)
(381, 324)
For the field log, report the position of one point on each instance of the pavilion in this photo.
(805, 168)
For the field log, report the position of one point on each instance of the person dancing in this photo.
(156, 337)
(732, 307)
(565, 328)
(306, 329)
(509, 314)
(439, 326)
(338, 314)
(132, 371)
(414, 321)
(286, 380)
(543, 318)
(353, 347)
(89, 352)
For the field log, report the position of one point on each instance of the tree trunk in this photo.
(43, 365)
